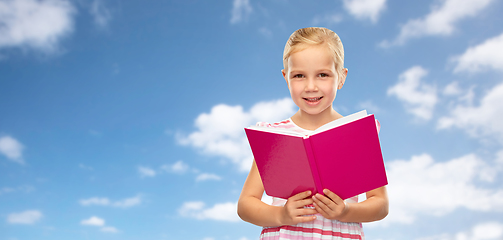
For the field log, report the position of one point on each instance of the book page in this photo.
(341, 121)
(330, 125)
(281, 131)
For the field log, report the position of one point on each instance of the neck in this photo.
(314, 121)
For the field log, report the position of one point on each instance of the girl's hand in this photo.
(294, 212)
(330, 206)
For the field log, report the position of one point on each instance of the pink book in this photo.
(343, 156)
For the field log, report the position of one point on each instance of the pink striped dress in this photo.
(321, 228)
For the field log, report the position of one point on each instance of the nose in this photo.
(311, 85)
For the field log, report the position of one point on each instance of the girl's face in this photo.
(312, 79)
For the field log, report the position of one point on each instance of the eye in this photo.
(323, 75)
(298, 76)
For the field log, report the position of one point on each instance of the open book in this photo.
(343, 156)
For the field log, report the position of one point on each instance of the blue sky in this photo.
(124, 119)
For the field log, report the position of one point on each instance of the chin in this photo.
(315, 111)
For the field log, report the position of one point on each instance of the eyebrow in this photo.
(292, 70)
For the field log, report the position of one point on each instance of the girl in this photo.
(314, 70)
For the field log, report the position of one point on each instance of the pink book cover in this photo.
(346, 159)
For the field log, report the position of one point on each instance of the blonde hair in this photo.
(305, 37)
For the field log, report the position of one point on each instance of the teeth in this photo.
(313, 99)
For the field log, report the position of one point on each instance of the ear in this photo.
(342, 80)
(285, 77)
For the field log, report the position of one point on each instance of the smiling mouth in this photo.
(313, 99)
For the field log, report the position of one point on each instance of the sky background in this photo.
(124, 119)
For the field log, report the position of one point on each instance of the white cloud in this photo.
(419, 98)
(241, 10)
(146, 171)
(93, 221)
(109, 229)
(482, 231)
(365, 9)
(440, 21)
(35, 24)
(178, 167)
(95, 201)
(221, 132)
(207, 176)
(220, 212)
(369, 106)
(485, 56)
(480, 121)
(100, 12)
(125, 203)
(12, 149)
(26, 217)
(499, 160)
(23, 188)
(128, 202)
(422, 186)
(99, 222)
(488, 230)
(452, 89)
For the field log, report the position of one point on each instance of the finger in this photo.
(301, 195)
(321, 211)
(299, 200)
(322, 203)
(305, 202)
(307, 211)
(324, 200)
(334, 197)
(303, 212)
(300, 204)
(305, 219)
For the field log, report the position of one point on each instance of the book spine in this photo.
(312, 164)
